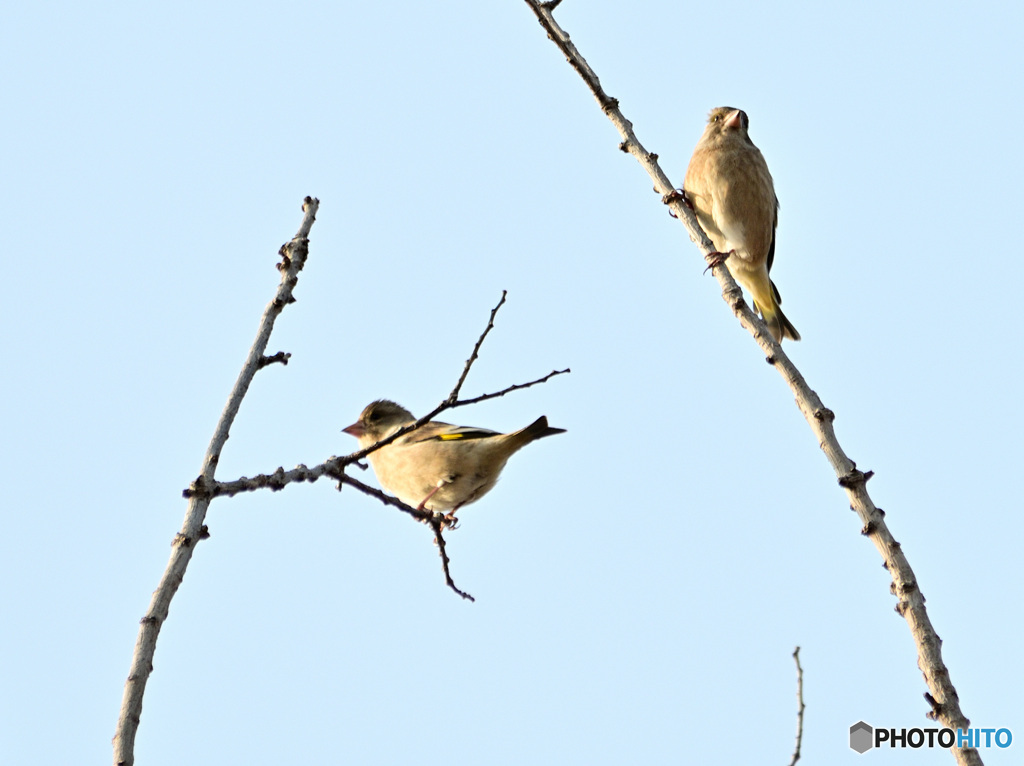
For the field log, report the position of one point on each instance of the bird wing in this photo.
(701, 193)
(446, 432)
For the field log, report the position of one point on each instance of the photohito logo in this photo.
(863, 737)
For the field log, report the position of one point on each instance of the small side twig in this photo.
(800, 707)
(510, 389)
(424, 516)
(437, 523)
(454, 395)
(280, 357)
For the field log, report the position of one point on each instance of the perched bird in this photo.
(731, 192)
(438, 467)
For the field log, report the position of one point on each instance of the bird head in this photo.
(726, 123)
(380, 419)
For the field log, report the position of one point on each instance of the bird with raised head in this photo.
(731, 192)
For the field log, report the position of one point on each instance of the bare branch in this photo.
(942, 696)
(438, 524)
(510, 389)
(800, 707)
(454, 395)
(662, 185)
(424, 516)
(293, 258)
(275, 481)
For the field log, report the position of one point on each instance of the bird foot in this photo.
(677, 195)
(444, 520)
(716, 259)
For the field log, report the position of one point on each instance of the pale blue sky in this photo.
(642, 580)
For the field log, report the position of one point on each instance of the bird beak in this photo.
(356, 430)
(733, 120)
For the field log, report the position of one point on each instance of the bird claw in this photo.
(677, 195)
(716, 259)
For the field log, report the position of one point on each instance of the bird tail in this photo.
(538, 429)
(788, 329)
(779, 326)
(771, 312)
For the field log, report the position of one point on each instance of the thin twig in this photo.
(800, 707)
(438, 524)
(424, 516)
(454, 395)
(510, 389)
(941, 696)
(293, 258)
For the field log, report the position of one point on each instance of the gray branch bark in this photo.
(293, 258)
(941, 695)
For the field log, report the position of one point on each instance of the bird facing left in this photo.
(439, 466)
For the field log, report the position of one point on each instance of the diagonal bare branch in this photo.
(424, 516)
(941, 695)
(437, 521)
(293, 258)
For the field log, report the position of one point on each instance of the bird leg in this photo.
(716, 259)
(422, 506)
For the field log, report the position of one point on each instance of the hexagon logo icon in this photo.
(861, 737)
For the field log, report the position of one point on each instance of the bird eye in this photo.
(373, 417)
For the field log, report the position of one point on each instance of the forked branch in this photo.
(334, 467)
(205, 487)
